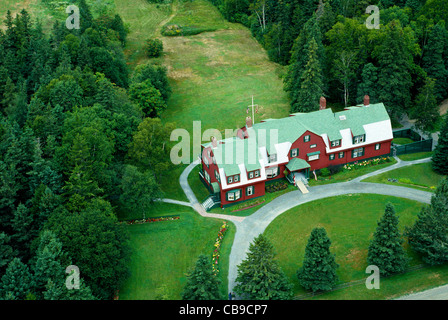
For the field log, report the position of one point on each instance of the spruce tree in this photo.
(433, 60)
(368, 84)
(439, 159)
(386, 250)
(428, 235)
(306, 99)
(202, 283)
(17, 282)
(318, 272)
(259, 275)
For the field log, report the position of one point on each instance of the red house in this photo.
(237, 169)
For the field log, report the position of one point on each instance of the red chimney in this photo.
(366, 100)
(248, 122)
(323, 103)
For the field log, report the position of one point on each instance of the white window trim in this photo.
(250, 190)
(313, 157)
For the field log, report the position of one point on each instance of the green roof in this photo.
(215, 186)
(297, 164)
(312, 153)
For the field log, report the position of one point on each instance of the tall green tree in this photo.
(439, 160)
(318, 272)
(139, 190)
(426, 107)
(202, 283)
(369, 84)
(259, 275)
(434, 60)
(17, 282)
(306, 99)
(428, 235)
(385, 249)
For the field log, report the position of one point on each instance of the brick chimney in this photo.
(249, 122)
(323, 103)
(366, 100)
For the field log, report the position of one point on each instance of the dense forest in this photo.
(73, 153)
(329, 51)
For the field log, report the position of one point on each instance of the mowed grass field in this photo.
(164, 253)
(350, 222)
(419, 176)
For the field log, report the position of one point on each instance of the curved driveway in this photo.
(247, 228)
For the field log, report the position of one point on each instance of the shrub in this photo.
(325, 172)
(154, 48)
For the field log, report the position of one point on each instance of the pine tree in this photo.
(202, 284)
(433, 60)
(7, 253)
(306, 99)
(22, 224)
(385, 250)
(318, 272)
(439, 159)
(17, 281)
(259, 275)
(368, 84)
(428, 234)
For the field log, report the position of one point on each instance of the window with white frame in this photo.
(236, 178)
(377, 146)
(335, 143)
(249, 190)
(230, 179)
(207, 176)
(273, 157)
(294, 153)
(313, 157)
(234, 195)
(332, 156)
(217, 175)
(306, 138)
(251, 175)
(359, 139)
(271, 172)
(257, 173)
(356, 153)
(341, 154)
(313, 146)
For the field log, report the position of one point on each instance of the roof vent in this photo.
(342, 117)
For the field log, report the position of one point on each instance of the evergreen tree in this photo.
(202, 284)
(426, 108)
(439, 159)
(318, 272)
(369, 84)
(7, 253)
(306, 99)
(433, 60)
(385, 250)
(259, 275)
(428, 235)
(17, 282)
(22, 225)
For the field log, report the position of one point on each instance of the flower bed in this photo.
(217, 245)
(366, 163)
(276, 186)
(149, 220)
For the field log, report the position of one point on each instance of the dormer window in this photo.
(272, 157)
(253, 174)
(359, 139)
(233, 179)
(335, 143)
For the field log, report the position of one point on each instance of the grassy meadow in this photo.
(164, 252)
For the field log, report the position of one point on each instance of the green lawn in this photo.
(164, 252)
(419, 176)
(347, 175)
(350, 222)
(415, 156)
(402, 141)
